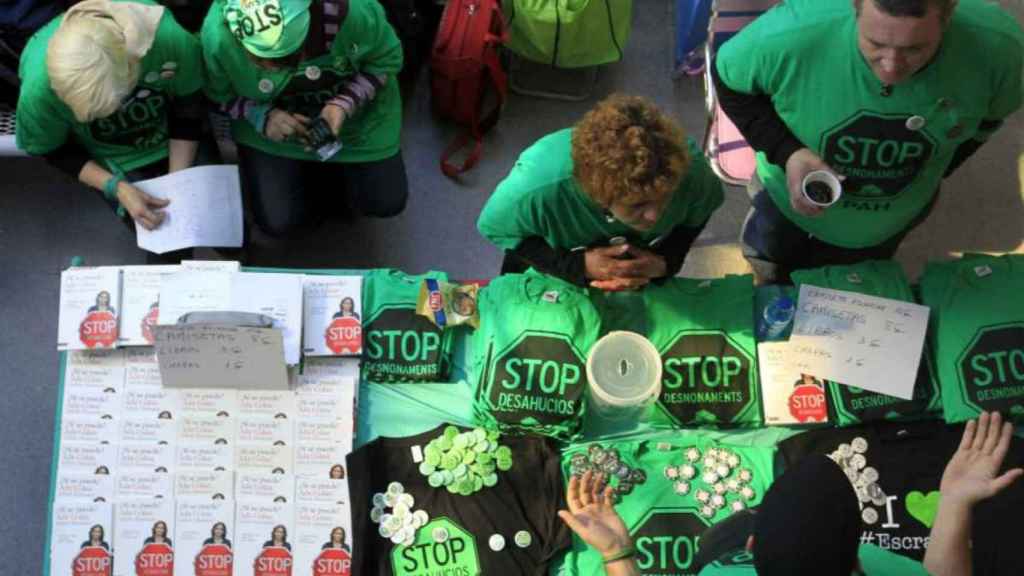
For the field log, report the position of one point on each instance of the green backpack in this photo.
(569, 33)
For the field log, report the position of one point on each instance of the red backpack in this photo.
(465, 69)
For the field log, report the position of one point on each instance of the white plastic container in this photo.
(624, 372)
(835, 187)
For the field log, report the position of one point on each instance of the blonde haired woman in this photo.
(111, 92)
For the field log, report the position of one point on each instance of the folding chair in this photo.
(730, 157)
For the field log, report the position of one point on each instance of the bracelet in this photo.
(110, 186)
(628, 552)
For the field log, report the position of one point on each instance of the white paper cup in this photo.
(624, 373)
(818, 177)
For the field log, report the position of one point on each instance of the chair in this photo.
(730, 157)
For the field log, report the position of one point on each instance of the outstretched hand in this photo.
(972, 474)
(592, 517)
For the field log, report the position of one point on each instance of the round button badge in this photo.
(266, 85)
(152, 77)
(496, 542)
(915, 123)
(313, 73)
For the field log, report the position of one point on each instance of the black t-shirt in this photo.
(526, 499)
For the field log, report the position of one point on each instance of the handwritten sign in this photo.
(212, 356)
(864, 341)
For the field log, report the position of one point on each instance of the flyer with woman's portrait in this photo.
(144, 537)
(204, 537)
(80, 542)
(90, 299)
(332, 316)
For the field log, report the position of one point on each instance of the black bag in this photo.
(415, 22)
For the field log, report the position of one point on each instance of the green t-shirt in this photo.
(135, 135)
(852, 405)
(540, 197)
(399, 345)
(665, 518)
(704, 330)
(804, 54)
(365, 43)
(874, 561)
(531, 354)
(977, 331)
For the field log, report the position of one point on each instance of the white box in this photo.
(789, 396)
(263, 458)
(144, 537)
(266, 403)
(256, 551)
(206, 430)
(135, 485)
(100, 369)
(145, 458)
(85, 488)
(319, 460)
(210, 458)
(332, 315)
(204, 484)
(321, 431)
(73, 548)
(264, 431)
(323, 538)
(147, 431)
(140, 302)
(87, 458)
(90, 403)
(261, 487)
(141, 368)
(210, 401)
(150, 402)
(88, 431)
(196, 549)
(90, 299)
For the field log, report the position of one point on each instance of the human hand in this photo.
(335, 117)
(283, 125)
(592, 517)
(971, 474)
(800, 163)
(142, 207)
(622, 267)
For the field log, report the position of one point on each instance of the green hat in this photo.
(268, 28)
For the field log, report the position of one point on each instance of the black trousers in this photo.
(286, 195)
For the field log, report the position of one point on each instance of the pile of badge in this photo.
(399, 525)
(852, 458)
(465, 462)
(714, 481)
(607, 462)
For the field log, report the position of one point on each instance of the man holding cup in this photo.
(890, 96)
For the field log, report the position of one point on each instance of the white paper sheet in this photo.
(864, 341)
(205, 209)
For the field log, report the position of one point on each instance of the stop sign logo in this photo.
(148, 321)
(99, 329)
(332, 562)
(214, 560)
(92, 561)
(807, 403)
(273, 561)
(155, 560)
(344, 336)
(991, 369)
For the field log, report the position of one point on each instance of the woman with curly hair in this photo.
(613, 203)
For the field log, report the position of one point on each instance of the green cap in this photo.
(268, 28)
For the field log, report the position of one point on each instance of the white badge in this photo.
(169, 65)
(167, 74)
(152, 77)
(915, 123)
(266, 85)
(313, 73)
(143, 94)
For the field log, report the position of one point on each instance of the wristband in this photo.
(628, 552)
(110, 186)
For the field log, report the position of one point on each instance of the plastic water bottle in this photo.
(776, 318)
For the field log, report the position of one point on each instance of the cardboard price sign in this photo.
(215, 356)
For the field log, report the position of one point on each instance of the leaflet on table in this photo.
(147, 431)
(203, 537)
(143, 536)
(206, 430)
(209, 401)
(323, 539)
(134, 485)
(205, 209)
(278, 296)
(211, 265)
(326, 367)
(340, 406)
(85, 488)
(263, 458)
(89, 305)
(321, 460)
(91, 402)
(87, 458)
(142, 370)
(145, 458)
(80, 538)
(264, 431)
(88, 430)
(308, 431)
(266, 403)
(210, 458)
(140, 302)
(319, 379)
(264, 542)
(789, 395)
(103, 369)
(332, 316)
(144, 402)
(264, 487)
(322, 490)
(206, 484)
